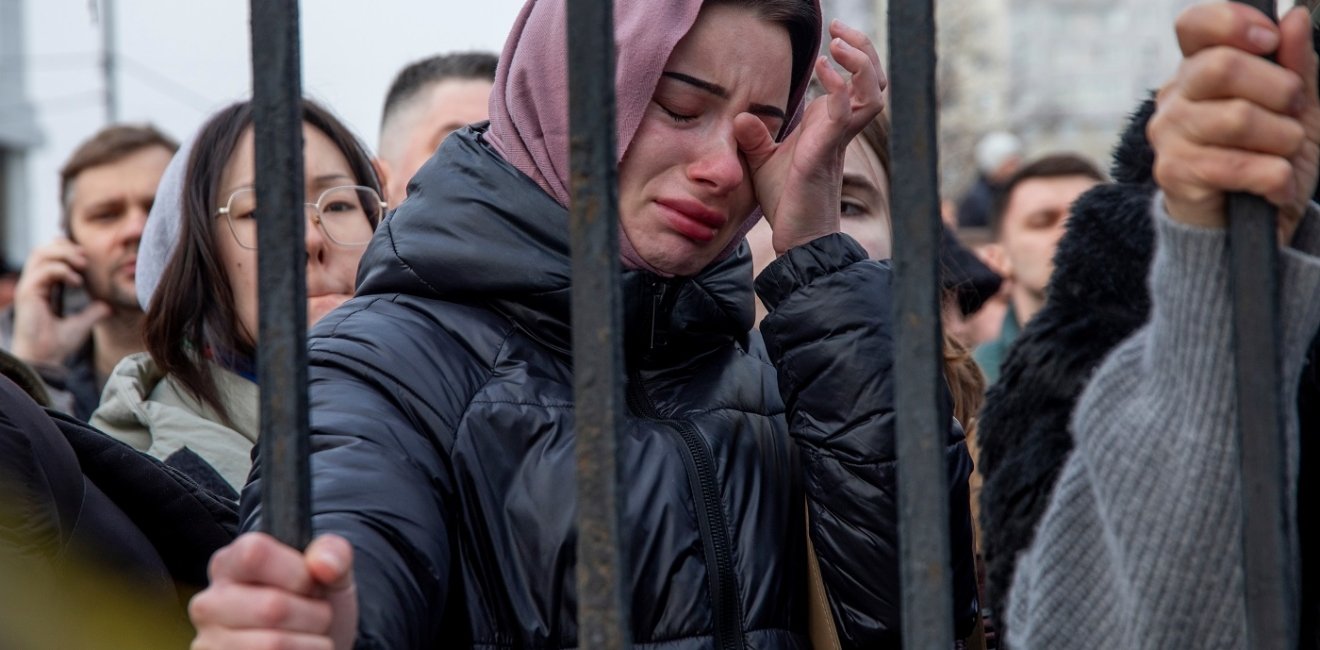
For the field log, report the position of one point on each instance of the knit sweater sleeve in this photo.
(1140, 545)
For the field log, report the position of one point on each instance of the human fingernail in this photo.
(1263, 38)
(331, 562)
(1298, 104)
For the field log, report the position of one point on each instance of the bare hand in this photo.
(267, 595)
(798, 181)
(41, 337)
(1232, 121)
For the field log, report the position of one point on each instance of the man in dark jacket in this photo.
(75, 311)
(1028, 222)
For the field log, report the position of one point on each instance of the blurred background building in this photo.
(19, 134)
(1061, 74)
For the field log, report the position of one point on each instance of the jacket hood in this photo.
(474, 229)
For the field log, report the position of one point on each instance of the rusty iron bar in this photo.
(1269, 562)
(281, 262)
(1268, 550)
(598, 376)
(923, 501)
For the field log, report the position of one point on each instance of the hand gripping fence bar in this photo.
(282, 263)
(923, 500)
(597, 326)
(1269, 562)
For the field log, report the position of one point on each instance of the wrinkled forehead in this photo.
(737, 49)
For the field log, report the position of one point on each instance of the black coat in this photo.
(79, 507)
(442, 420)
(1097, 297)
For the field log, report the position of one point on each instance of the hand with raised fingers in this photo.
(1230, 120)
(798, 180)
(40, 336)
(264, 594)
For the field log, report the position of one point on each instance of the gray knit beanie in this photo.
(161, 235)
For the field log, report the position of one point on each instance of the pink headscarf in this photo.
(529, 104)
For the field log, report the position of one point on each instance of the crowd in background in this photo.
(1085, 351)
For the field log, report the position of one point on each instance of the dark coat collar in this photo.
(474, 229)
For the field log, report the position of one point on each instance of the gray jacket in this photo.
(152, 413)
(1140, 545)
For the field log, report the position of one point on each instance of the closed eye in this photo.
(849, 208)
(679, 118)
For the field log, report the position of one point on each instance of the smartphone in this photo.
(57, 299)
(65, 299)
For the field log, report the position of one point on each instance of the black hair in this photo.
(1052, 166)
(192, 309)
(420, 74)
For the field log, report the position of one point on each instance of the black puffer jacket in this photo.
(442, 418)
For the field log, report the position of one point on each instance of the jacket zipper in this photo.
(700, 463)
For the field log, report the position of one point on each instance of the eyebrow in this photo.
(117, 202)
(326, 180)
(719, 91)
(861, 182)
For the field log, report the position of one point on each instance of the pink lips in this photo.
(319, 306)
(692, 219)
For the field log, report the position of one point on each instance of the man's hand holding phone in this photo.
(42, 335)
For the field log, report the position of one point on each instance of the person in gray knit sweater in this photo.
(1140, 544)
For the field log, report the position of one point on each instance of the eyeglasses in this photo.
(347, 215)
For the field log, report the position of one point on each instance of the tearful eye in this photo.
(679, 118)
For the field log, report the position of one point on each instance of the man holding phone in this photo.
(75, 311)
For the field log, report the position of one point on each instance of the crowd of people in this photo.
(1092, 480)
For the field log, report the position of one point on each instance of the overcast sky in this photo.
(183, 59)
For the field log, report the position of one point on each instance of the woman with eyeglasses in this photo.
(191, 399)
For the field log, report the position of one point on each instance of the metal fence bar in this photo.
(1269, 567)
(597, 325)
(282, 262)
(923, 505)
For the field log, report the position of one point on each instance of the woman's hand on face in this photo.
(1232, 121)
(798, 181)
